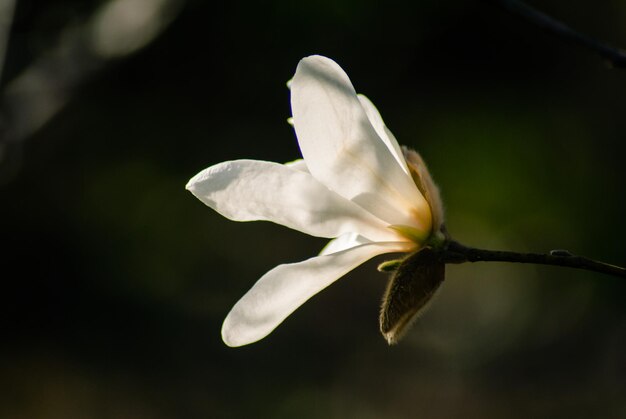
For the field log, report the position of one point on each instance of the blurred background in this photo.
(116, 279)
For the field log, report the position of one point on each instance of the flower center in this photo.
(414, 234)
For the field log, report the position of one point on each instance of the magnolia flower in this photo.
(354, 185)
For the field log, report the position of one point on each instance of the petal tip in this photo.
(190, 185)
(316, 61)
(229, 337)
(317, 57)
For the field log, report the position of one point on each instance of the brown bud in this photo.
(409, 289)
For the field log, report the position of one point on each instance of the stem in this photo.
(615, 56)
(458, 253)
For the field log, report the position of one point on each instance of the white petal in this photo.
(342, 149)
(383, 132)
(251, 190)
(343, 242)
(298, 164)
(285, 288)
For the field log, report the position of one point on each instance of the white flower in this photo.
(353, 185)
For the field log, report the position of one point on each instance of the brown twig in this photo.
(458, 253)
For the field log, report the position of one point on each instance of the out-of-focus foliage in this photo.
(116, 279)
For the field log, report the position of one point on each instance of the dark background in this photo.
(115, 280)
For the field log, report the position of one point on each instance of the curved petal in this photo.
(383, 132)
(343, 242)
(426, 185)
(285, 288)
(251, 190)
(342, 149)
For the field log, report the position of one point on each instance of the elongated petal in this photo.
(285, 288)
(344, 242)
(251, 190)
(383, 132)
(342, 149)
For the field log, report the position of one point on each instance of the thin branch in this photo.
(615, 56)
(458, 253)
